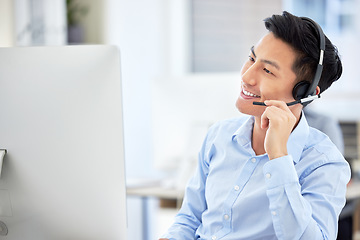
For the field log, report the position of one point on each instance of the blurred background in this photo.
(180, 62)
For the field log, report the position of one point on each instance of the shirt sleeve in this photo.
(307, 207)
(194, 204)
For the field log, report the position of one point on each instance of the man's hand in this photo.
(279, 122)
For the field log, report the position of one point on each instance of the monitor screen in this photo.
(61, 124)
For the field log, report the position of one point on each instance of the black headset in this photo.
(304, 89)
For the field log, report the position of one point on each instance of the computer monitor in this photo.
(61, 124)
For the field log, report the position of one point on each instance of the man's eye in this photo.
(251, 59)
(267, 71)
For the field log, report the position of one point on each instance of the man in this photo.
(269, 175)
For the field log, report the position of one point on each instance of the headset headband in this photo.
(312, 88)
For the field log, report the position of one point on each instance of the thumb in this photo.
(264, 121)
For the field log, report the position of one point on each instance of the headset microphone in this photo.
(305, 92)
(302, 101)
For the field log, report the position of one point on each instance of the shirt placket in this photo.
(234, 193)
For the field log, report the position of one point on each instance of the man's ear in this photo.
(317, 90)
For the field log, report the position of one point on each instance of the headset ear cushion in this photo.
(300, 89)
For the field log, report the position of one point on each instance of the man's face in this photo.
(267, 75)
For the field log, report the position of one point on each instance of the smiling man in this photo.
(268, 175)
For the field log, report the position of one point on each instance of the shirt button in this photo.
(273, 213)
(236, 188)
(226, 217)
(268, 175)
(213, 237)
(253, 160)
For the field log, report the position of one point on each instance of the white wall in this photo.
(185, 105)
(136, 27)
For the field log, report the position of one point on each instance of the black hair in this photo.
(304, 39)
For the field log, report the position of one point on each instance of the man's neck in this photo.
(258, 137)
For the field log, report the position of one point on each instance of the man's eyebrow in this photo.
(264, 60)
(252, 51)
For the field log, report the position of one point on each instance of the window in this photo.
(224, 30)
(335, 16)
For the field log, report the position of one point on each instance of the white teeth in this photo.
(249, 94)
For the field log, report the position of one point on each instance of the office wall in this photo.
(136, 27)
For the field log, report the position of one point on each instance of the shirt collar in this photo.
(296, 142)
(244, 133)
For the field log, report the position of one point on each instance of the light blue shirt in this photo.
(236, 194)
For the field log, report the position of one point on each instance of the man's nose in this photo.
(250, 75)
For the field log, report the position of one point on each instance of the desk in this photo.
(157, 192)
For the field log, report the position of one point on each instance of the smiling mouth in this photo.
(249, 94)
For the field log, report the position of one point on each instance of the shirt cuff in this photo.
(280, 171)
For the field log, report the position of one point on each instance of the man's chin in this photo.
(247, 108)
